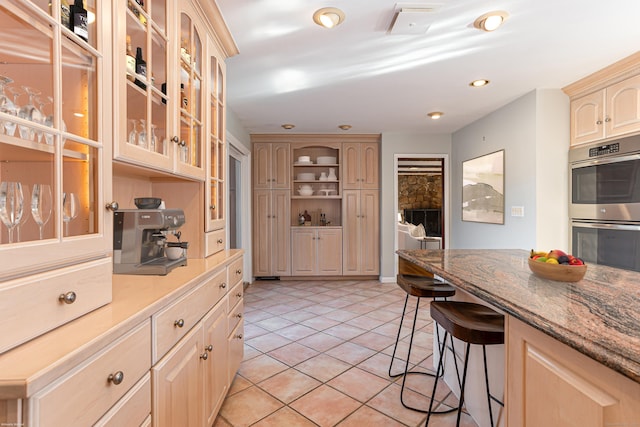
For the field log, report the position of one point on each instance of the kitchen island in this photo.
(579, 340)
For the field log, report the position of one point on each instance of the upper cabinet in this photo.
(271, 166)
(159, 87)
(361, 164)
(54, 123)
(607, 103)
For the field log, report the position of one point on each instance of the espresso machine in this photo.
(140, 237)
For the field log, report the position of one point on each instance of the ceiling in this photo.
(291, 70)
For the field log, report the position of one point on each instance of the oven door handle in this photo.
(606, 226)
(614, 159)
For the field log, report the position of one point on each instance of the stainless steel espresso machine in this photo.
(140, 237)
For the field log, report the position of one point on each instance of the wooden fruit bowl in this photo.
(559, 272)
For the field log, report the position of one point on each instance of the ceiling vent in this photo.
(413, 20)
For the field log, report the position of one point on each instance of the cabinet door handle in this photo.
(239, 294)
(212, 207)
(113, 206)
(223, 285)
(68, 298)
(179, 323)
(175, 139)
(204, 356)
(209, 347)
(239, 315)
(238, 271)
(608, 119)
(239, 336)
(599, 122)
(117, 378)
(220, 241)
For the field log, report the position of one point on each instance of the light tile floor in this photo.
(317, 353)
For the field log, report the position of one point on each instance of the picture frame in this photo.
(483, 188)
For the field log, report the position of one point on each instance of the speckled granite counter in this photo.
(599, 316)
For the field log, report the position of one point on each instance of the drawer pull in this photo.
(179, 323)
(204, 356)
(220, 241)
(239, 315)
(239, 294)
(239, 336)
(209, 347)
(223, 285)
(117, 378)
(238, 271)
(68, 298)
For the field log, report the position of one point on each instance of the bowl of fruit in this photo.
(557, 265)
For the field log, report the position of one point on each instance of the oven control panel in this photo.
(603, 150)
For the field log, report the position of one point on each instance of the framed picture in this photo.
(483, 188)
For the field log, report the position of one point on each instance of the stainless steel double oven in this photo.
(604, 204)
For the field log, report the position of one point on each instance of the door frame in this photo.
(241, 153)
(445, 205)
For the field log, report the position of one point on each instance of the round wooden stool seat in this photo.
(424, 287)
(469, 322)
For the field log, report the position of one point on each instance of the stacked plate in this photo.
(306, 176)
(326, 160)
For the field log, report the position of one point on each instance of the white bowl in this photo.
(305, 191)
(174, 253)
(304, 159)
(306, 176)
(326, 160)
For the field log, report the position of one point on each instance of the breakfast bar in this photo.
(572, 349)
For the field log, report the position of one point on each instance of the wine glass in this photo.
(133, 135)
(153, 142)
(25, 217)
(142, 135)
(70, 209)
(9, 126)
(41, 205)
(11, 205)
(30, 112)
(6, 105)
(47, 120)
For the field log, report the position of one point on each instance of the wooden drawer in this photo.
(235, 296)
(83, 396)
(33, 305)
(177, 319)
(214, 242)
(236, 315)
(236, 350)
(134, 409)
(235, 272)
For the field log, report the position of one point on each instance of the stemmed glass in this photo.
(133, 134)
(25, 217)
(41, 205)
(142, 135)
(11, 108)
(153, 142)
(6, 105)
(70, 209)
(11, 205)
(30, 112)
(47, 120)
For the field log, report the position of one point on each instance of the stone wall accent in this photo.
(420, 192)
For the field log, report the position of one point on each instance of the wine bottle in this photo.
(131, 61)
(65, 13)
(141, 17)
(78, 22)
(141, 68)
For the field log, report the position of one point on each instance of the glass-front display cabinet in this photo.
(52, 158)
(215, 196)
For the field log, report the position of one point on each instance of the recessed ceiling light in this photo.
(435, 115)
(288, 126)
(479, 83)
(345, 127)
(491, 21)
(328, 17)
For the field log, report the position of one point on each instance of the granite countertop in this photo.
(599, 316)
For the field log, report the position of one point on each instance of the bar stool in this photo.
(471, 323)
(420, 287)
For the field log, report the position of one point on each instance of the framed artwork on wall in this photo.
(483, 188)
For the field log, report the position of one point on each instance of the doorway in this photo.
(421, 200)
(238, 191)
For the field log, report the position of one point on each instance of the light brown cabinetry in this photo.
(551, 384)
(361, 232)
(318, 251)
(271, 228)
(361, 165)
(271, 165)
(607, 103)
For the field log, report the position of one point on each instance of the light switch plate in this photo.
(517, 210)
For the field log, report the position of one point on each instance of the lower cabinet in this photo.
(551, 384)
(316, 251)
(361, 232)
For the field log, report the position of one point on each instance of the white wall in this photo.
(397, 144)
(534, 132)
